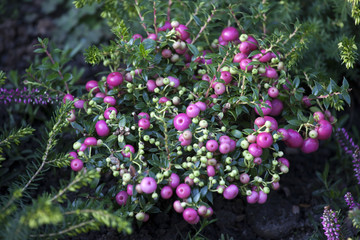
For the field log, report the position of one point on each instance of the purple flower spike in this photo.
(330, 224)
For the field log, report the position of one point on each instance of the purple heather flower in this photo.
(350, 201)
(330, 224)
(25, 96)
(350, 148)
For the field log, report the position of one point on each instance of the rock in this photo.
(272, 220)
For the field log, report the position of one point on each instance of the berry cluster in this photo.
(192, 122)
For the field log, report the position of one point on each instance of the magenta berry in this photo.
(271, 73)
(244, 178)
(201, 105)
(283, 133)
(224, 139)
(219, 88)
(190, 215)
(144, 123)
(231, 192)
(277, 107)
(114, 79)
(265, 110)
(230, 34)
(273, 92)
(108, 111)
(324, 130)
(274, 123)
(144, 115)
(259, 121)
(101, 128)
(121, 198)
(275, 185)
(110, 100)
(151, 85)
(166, 192)
(192, 110)
(76, 164)
(166, 53)
(175, 81)
(318, 116)
(163, 100)
(253, 198)
(129, 189)
(224, 148)
(251, 138)
(166, 26)
(226, 76)
(136, 36)
(152, 36)
(131, 150)
(92, 84)
(68, 97)
(202, 210)
(182, 122)
(255, 150)
(212, 145)
(294, 140)
(253, 43)
(73, 154)
(177, 206)
(90, 141)
(210, 171)
(148, 185)
(174, 180)
(284, 161)
(265, 57)
(183, 31)
(239, 56)
(183, 191)
(245, 48)
(244, 64)
(189, 181)
(262, 197)
(306, 101)
(100, 95)
(264, 139)
(79, 104)
(310, 145)
(258, 160)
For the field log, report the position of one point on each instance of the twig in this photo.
(191, 18)
(235, 18)
(264, 16)
(53, 62)
(169, 10)
(155, 26)
(291, 35)
(65, 230)
(61, 192)
(141, 17)
(203, 27)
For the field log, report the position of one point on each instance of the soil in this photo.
(293, 212)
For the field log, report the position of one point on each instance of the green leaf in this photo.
(193, 50)
(296, 82)
(236, 133)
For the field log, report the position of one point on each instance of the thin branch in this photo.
(203, 27)
(169, 10)
(61, 192)
(155, 26)
(264, 16)
(235, 18)
(65, 230)
(213, 79)
(141, 17)
(291, 35)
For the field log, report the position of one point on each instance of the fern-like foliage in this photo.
(348, 51)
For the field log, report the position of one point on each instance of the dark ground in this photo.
(289, 213)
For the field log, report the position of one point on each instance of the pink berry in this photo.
(239, 56)
(310, 145)
(182, 122)
(255, 150)
(177, 206)
(265, 110)
(148, 185)
(294, 140)
(176, 81)
(253, 198)
(224, 139)
(284, 161)
(110, 100)
(190, 215)
(189, 181)
(100, 95)
(277, 107)
(209, 212)
(151, 85)
(192, 110)
(212, 145)
(273, 92)
(245, 48)
(251, 138)
(83, 147)
(90, 141)
(231, 192)
(244, 178)
(174, 180)
(219, 88)
(114, 79)
(271, 73)
(163, 100)
(121, 198)
(73, 154)
(210, 171)
(183, 31)
(92, 84)
(258, 160)
(183, 191)
(232, 145)
(224, 148)
(262, 197)
(226, 76)
(128, 77)
(76, 164)
(259, 121)
(166, 53)
(318, 116)
(166, 192)
(306, 101)
(128, 154)
(324, 130)
(230, 34)
(144, 115)
(264, 139)
(244, 64)
(274, 123)
(283, 133)
(166, 26)
(144, 123)
(152, 36)
(108, 111)
(253, 43)
(79, 104)
(102, 128)
(68, 97)
(136, 36)
(201, 105)
(206, 77)
(202, 210)
(129, 189)
(265, 57)
(275, 185)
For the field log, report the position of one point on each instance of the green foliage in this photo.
(348, 51)
(355, 10)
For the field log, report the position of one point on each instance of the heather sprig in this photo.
(350, 201)
(26, 96)
(330, 224)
